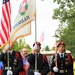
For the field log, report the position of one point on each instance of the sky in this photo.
(44, 21)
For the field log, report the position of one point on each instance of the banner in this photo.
(23, 20)
(24, 31)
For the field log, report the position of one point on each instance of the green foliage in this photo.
(46, 48)
(65, 13)
(29, 48)
(69, 38)
(19, 44)
(1, 49)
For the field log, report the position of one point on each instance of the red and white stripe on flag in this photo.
(42, 37)
(5, 26)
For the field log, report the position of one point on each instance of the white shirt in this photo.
(10, 51)
(61, 54)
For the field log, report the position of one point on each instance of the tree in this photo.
(19, 44)
(65, 13)
(46, 48)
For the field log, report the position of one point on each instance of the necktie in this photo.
(37, 55)
(61, 55)
(10, 54)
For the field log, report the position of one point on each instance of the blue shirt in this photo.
(1, 65)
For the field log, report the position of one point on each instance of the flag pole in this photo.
(56, 48)
(35, 37)
(35, 23)
(43, 40)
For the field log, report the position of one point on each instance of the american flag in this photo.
(42, 37)
(5, 26)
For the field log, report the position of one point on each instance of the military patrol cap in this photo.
(61, 43)
(38, 43)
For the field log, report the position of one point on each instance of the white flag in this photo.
(23, 20)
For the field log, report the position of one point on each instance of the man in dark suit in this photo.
(38, 62)
(12, 61)
(62, 63)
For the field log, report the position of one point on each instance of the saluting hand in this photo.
(35, 49)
